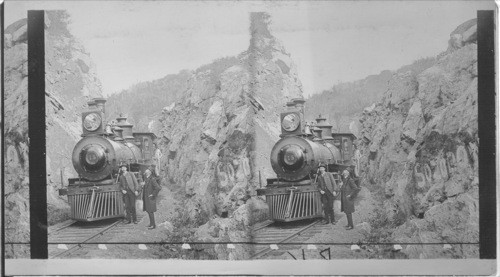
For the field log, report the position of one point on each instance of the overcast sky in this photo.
(329, 41)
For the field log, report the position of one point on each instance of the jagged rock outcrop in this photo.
(464, 34)
(70, 81)
(420, 145)
(221, 128)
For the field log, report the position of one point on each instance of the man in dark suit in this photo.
(349, 190)
(149, 193)
(130, 189)
(328, 189)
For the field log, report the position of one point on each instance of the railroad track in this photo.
(75, 235)
(269, 233)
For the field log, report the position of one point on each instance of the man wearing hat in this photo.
(149, 193)
(328, 189)
(130, 189)
(349, 190)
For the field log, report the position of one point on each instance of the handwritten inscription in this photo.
(445, 165)
(232, 171)
(473, 149)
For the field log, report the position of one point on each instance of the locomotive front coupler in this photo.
(95, 188)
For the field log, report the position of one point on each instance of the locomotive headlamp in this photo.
(92, 121)
(290, 122)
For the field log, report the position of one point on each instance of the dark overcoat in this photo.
(129, 182)
(149, 194)
(349, 188)
(326, 182)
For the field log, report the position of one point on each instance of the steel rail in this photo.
(79, 244)
(286, 239)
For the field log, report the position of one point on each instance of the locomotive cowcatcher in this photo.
(95, 194)
(294, 194)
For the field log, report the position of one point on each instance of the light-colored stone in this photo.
(364, 228)
(418, 152)
(414, 121)
(20, 35)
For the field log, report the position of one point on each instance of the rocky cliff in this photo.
(70, 82)
(217, 137)
(419, 150)
(343, 101)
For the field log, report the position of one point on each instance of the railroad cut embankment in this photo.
(217, 137)
(419, 148)
(70, 81)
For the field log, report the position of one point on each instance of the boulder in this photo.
(364, 228)
(167, 225)
(414, 121)
(465, 33)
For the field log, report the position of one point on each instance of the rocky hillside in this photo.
(343, 101)
(419, 149)
(70, 81)
(144, 101)
(221, 128)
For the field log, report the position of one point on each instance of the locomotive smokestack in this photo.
(299, 103)
(99, 102)
(91, 104)
(290, 105)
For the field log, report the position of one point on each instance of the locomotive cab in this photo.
(345, 142)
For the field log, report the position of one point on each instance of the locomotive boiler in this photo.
(95, 194)
(295, 158)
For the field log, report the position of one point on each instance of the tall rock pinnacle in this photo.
(222, 128)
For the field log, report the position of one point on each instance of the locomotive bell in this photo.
(307, 130)
(119, 133)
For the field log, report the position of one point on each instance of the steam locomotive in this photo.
(295, 158)
(95, 194)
